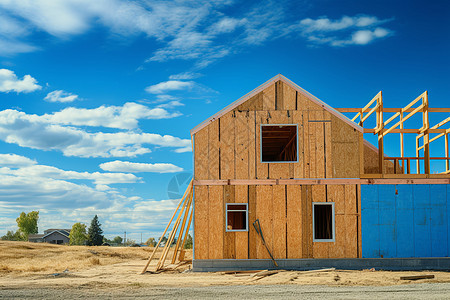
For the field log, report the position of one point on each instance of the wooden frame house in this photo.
(283, 157)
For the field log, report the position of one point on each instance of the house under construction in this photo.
(280, 174)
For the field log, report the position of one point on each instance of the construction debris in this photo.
(417, 277)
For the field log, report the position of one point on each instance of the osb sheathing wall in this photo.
(229, 148)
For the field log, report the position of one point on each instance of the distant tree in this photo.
(188, 244)
(13, 236)
(117, 240)
(78, 234)
(27, 223)
(163, 239)
(95, 233)
(151, 242)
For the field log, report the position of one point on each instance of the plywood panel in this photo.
(328, 150)
(227, 146)
(254, 103)
(335, 193)
(262, 169)
(294, 222)
(264, 209)
(350, 199)
(289, 97)
(230, 237)
(337, 249)
(307, 146)
(241, 194)
(279, 221)
(279, 99)
(201, 224)
(307, 238)
(253, 239)
(201, 154)
(351, 248)
(213, 152)
(252, 149)
(216, 222)
(242, 143)
(345, 158)
(302, 102)
(269, 97)
(278, 170)
(299, 167)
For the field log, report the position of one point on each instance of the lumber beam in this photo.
(392, 109)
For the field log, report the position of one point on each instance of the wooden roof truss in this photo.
(423, 139)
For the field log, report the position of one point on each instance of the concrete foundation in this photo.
(391, 264)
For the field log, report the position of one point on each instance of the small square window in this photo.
(323, 222)
(237, 217)
(279, 143)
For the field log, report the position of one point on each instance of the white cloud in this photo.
(171, 104)
(171, 85)
(122, 117)
(37, 132)
(60, 96)
(14, 160)
(185, 76)
(10, 83)
(357, 30)
(126, 166)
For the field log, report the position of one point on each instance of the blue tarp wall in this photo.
(405, 220)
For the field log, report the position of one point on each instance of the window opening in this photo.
(237, 217)
(323, 221)
(279, 143)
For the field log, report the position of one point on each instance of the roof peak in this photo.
(264, 86)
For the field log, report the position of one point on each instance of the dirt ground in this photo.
(52, 271)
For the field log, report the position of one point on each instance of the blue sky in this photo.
(97, 97)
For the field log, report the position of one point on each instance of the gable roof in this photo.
(62, 232)
(264, 86)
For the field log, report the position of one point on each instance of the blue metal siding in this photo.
(405, 221)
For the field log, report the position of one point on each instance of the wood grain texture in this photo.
(269, 98)
(242, 143)
(252, 236)
(213, 152)
(350, 199)
(279, 221)
(264, 212)
(294, 221)
(227, 146)
(201, 154)
(252, 149)
(216, 222)
(307, 240)
(201, 224)
(289, 97)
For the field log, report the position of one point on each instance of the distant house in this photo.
(52, 236)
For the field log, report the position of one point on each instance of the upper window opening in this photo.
(279, 143)
(323, 221)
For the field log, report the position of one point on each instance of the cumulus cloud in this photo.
(14, 160)
(122, 117)
(60, 96)
(126, 166)
(171, 85)
(37, 132)
(356, 30)
(9, 82)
